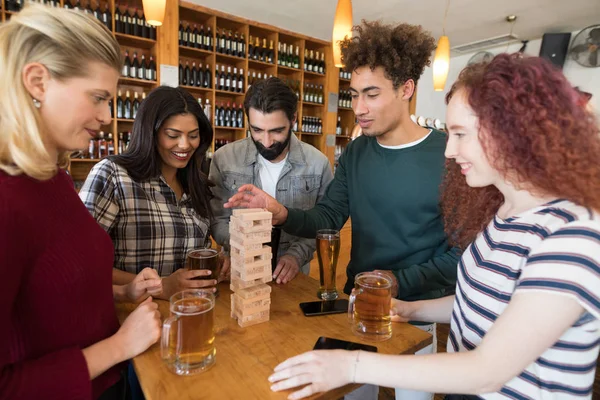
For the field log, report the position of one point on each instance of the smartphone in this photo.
(313, 308)
(325, 343)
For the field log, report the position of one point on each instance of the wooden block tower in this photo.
(249, 230)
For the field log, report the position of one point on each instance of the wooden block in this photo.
(262, 236)
(244, 308)
(264, 253)
(250, 239)
(237, 284)
(240, 211)
(256, 216)
(253, 292)
(235, 241)
(253, 319)
(249, 273)
(260, 225)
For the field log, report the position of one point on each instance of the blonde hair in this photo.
(64, 41)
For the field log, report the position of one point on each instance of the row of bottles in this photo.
(206, 107)
(342, 130)
(139, 69)
(312, 125)
(313, 93)
(345, 99)
(133, 22)
(16, 5)
(313, 62)
(229, 116)
(220, 143)
(195, 76)
(256, 77)
(293, 84)
(103, 15)
(286, 56)
(126, 108)
(344, 74)
(99, 147)
(196, 38)
(261, 53)
(232, 81)
(231, 44)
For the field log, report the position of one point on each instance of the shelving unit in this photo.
(167, 49)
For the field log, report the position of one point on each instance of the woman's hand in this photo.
(320, 370)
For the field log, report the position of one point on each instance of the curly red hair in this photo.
(531, 129)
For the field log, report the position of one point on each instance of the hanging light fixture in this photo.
(154, 11)
(342, 27)
(441, 61)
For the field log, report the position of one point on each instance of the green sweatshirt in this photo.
(392, 196)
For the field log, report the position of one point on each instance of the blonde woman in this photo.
(59, 335)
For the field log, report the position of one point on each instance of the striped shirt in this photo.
(554, 248)
(148, 226)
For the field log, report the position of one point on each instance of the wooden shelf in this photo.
(344, 80)
(345, 109)
(195, 88)
(311, 134)
(192, 52)
(227, 92)
(343, 136)
(229, 58)
(125, 120)
(310, 103)
(224, 128)
(289, 69)
(314, 74)
(261, 63)
(135, 41)
(136, 82)
(86, 160)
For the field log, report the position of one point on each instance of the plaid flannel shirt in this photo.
(148, 227)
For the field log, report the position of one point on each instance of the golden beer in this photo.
(204, 259)
(188, 342)
(328, 250)
(369, 309)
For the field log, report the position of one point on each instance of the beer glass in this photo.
(369, 306)
(205, 258)
(188, 337)
(328, 250)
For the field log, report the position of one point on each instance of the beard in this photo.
(275, 150)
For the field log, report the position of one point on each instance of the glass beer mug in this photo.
(205, 258)
(188, 337)
(369, 307)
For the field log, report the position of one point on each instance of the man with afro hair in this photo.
(387, 180)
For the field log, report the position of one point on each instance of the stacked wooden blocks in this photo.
(249, 230)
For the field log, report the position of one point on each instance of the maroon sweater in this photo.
(56, 297)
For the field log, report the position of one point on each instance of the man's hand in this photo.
(392, 277)
(249, 196)
(286, 270)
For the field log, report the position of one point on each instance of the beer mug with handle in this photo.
(369, 307)
(188, 337)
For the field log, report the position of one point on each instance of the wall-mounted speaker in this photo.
(555, 47)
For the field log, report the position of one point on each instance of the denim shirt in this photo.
(302, 182)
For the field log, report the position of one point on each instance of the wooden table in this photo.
(247, 356)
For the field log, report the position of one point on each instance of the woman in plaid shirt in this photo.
(153, 200)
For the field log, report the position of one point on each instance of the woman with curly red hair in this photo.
(522, 196)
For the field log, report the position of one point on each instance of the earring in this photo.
(37, 103)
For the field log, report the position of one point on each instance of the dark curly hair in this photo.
(531, 127)
(402, 50)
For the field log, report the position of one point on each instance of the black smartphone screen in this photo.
(325, 343)
(324, 307)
